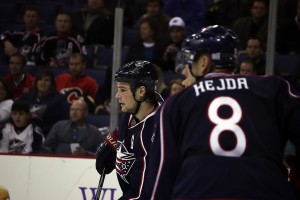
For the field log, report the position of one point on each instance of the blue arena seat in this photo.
(104, 57)
(288, 66)
(98, 74)
(98, 120)
(71, 9)
(169, 76)
(129, 36)
(9, 12)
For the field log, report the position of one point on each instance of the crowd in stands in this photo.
(56, 57)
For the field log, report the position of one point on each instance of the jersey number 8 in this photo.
(228, 124)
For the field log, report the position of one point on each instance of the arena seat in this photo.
(98, 120)
(288, 67)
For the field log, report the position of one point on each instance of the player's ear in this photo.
(141, 91)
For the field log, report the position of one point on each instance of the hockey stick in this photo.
(100, 184)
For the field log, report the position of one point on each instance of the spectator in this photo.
(20, 135)
(192, 12)
(47, 105)
(18, 80)
(176, 86)
(288, 40)
(247, 67)
(56, 48)
(6, 102)
(255, 25)
(148, 47)
(177, 35)
(74, 136)
(23, 41)
(96, 23)
(76, 84)
(254, 51)
(155, 10)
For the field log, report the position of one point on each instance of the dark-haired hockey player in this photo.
(223, 137)
(126, 148)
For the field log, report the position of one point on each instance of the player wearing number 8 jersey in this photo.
(223, 136)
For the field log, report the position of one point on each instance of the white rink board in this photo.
(59, 178)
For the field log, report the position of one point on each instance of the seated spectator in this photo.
(23, 41)
(20, 135)
(192, 12)
(55, 49)
(255, 52)
(148, 47)
(96, 23)
(74, 136)
(155, 10)
(47, 105)
(177, 35)
(176, 86)
(76, 84)
(247, 67)
(18, 80)
(288, 37)
(6, 102)
(255, 25)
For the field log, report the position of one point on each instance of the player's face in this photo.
(125, 97)
(20, 118)
(189, 78)
(44, 85)
(63, 23)
(2, 92)
(177, 34)
(15, 65)
(76, 66)
(31, 19)
(78, 111)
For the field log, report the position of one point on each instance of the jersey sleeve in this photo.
(106, 153)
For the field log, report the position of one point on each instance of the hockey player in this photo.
(126, 148)
(223, 137)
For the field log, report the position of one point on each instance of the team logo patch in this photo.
(124, 161)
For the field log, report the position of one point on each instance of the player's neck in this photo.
(144, 111)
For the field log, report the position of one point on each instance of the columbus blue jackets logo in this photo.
(124, 161)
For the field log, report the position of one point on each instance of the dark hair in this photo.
(41, 75)
(20, 105)
(266, 2)
(31, 8)
(153, 25)
(9, 93)
(161, 2)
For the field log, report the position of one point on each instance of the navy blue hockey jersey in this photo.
(223, 138)
(130, 157)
